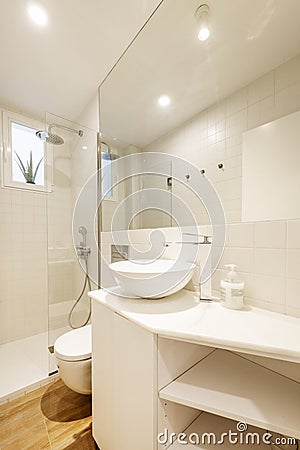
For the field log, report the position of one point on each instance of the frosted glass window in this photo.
(24, 141)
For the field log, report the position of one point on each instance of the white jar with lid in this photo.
(232, 290)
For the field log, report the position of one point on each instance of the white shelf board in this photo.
(228, 385)
(209, 423)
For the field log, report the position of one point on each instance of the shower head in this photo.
(50, 138)
(55, 139)
(108, 156)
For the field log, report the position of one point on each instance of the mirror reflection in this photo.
(174, 93)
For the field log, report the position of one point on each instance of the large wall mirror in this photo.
(219, 90)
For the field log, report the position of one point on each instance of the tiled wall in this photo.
(23, 264)
(268, 259)
(36, 228)
(215, 135)
(267, 253)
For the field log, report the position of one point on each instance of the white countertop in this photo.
(182, 317)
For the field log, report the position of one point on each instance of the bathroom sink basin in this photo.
(152, 279)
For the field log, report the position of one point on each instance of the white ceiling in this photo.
(248, 39)
(58, 68)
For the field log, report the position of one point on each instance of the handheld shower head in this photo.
(83, 231)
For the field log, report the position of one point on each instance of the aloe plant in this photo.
(28, 171)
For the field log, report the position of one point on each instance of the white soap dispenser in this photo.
(232, 290)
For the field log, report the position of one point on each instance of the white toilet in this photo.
(73, 352)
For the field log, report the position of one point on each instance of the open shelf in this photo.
(228, 385)
(209, 423)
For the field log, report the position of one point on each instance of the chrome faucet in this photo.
(205, 297)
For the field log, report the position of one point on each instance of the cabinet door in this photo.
(124, 383)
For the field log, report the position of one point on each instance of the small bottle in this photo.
(232, 290)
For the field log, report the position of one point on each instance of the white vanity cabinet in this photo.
(146, 382)
(124, 380)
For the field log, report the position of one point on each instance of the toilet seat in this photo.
(75, 345)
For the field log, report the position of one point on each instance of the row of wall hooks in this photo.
(202, 171)
(188, 176)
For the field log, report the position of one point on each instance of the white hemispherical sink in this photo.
(152, 279)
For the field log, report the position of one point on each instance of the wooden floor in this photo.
(52, 417)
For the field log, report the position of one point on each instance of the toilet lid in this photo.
(75, 345)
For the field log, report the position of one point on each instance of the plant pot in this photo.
(30, 182)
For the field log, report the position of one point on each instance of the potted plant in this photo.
(28, 171)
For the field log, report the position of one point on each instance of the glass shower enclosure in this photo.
(72, 161)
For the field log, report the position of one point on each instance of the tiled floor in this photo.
(53, 417)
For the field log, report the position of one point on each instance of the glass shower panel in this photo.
(146, 175)
(70, 165)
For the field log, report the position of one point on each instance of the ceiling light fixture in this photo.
(37, 14)
(202, 22)
(164, 100)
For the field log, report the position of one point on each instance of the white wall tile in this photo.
(269, 262)
(240, 235)
(293, 264)
(236, 102)
(270, 289)
(287, 74)
(270, 234)
(287, 100)
(216, 113)
(293, 234)
(261, 112)
(261, 88)
(242, 257)
(236, 123)
(293, 293)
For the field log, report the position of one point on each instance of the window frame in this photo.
(7, 181)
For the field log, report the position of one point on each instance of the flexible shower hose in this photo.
(87, 281)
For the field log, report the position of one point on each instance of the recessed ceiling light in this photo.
(202, 22)
(164, 100)
(84, 147)
(203, 34)
(37, 14)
